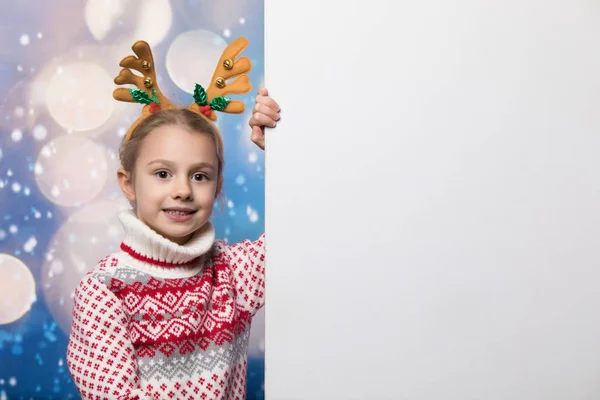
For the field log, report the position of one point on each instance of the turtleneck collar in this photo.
(150, 252)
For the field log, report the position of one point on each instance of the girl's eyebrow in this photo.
(203, 165)
(171, 164)
(161, 161)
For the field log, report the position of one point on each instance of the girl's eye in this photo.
(199, 177)
(162, 174)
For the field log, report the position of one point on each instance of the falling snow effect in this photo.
(252, 214)
(240, 180)
(55, 191)
(32, 363)
(16, 135)
(38, 169)
(40, 132)
(30, 244)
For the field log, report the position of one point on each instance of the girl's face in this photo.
(175, 182)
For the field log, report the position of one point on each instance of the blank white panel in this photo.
(433, 201)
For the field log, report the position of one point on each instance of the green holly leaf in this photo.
(139, 96)
(219, 103)
(200, 95)
(155, 97)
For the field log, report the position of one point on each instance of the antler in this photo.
(228, 67)
(147, 91)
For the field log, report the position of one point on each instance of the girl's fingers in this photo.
(268, 111)
(269, 102)
(260, 119)
(263, 92)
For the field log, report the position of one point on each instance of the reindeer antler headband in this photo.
(206, 102)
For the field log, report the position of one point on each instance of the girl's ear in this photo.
(126, 183)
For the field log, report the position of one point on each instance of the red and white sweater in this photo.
(160, 320)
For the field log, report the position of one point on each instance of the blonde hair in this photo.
(129, 150)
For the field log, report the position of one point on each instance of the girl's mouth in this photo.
(179, 212)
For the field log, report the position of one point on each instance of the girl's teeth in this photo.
(178, 212)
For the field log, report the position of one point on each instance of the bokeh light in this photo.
(151, 20)
(154, 21)
(17, 289)
(225, 13)
(79, 96)
(193, 57)
(71, 170)
(102, 15)
(16, 109)
(84, 239)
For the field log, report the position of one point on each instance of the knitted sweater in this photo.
(159, 320)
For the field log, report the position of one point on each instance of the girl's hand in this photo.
(264, 115)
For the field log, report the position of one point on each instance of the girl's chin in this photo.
(179, 239)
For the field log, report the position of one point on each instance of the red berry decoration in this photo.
(205, 110)
(154, 107)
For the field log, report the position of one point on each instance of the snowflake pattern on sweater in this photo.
(163, 321)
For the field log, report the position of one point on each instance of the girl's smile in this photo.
(179, 214)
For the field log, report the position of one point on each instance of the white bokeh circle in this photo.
(17, 289)
(154, 21)
(79, 96)
(192, 58)
(71, 170)
(102, 15)
(80, 243)
(150, 20)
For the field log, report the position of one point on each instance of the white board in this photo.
(433, 200)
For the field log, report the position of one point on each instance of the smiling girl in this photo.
(168, 317)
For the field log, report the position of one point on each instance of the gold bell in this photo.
(228, 64)
(148, 82)
(145, 64)
(220, 82)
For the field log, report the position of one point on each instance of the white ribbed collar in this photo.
(148, 251)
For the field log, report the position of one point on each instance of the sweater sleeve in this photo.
(100, 356)
(247, 261)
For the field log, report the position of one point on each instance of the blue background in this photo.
(35, 34)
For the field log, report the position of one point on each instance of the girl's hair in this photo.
(129, 150)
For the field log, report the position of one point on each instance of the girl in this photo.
(168, 317)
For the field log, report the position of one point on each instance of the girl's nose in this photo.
(182, 189)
